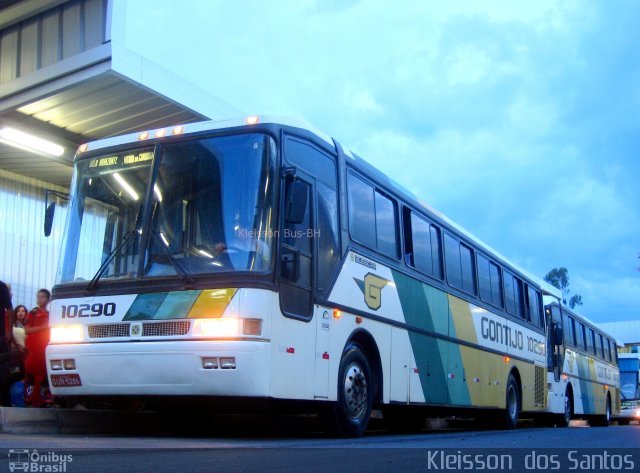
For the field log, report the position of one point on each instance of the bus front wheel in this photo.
(565, 418)
(512, 411)
(349, 416)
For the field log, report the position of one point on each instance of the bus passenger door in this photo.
(555, 341)
(296, 264)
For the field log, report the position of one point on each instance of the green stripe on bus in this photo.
(162, 305)
(418, 307)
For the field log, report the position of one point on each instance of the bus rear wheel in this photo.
(604, 420)
(512, 411)
(349, 416)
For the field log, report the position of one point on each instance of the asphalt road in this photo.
(607, 449)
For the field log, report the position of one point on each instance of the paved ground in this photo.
(313, 452)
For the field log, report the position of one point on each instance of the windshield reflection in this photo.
(211, 203)
(209, 210)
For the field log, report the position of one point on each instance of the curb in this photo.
(19, 420)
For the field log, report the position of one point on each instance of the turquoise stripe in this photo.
(427, 351)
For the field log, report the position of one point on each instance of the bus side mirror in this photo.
(297, 196)
(50, 209)
(48, 218)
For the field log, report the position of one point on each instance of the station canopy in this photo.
(67, 77)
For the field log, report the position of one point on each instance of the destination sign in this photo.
(121, 160)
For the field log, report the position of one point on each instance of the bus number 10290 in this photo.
(88, 310)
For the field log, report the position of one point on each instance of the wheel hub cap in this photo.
(355, 391)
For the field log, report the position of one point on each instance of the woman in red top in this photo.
(36, 329)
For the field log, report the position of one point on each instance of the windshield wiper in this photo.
(105, 264)
(177, 265)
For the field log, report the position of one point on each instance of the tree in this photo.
(559, 277)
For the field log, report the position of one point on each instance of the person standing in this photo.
(6, 337)
(36, 329)
(19, 314)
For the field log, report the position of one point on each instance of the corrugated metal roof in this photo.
(105, 105)
(108, 105)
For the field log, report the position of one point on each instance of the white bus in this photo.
(259, 260)
(629, 387)
(584, 380)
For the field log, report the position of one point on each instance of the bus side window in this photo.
(386, 227)
(422, 244)
(580, 337)
(534, 314)
(600, 347)
(612, 352)
(328, 255)
(362, 218)
(591, 342)
(569, 331)
(513, 294)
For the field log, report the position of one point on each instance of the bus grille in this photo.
(540, 383)
(149, 329)
(109, 330)
(163, 329)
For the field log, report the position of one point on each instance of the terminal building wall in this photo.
(50, 37)
(28, 260)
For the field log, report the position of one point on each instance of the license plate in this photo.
(65, 380)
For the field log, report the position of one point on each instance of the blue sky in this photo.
(519, 120)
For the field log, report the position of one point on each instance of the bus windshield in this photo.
(197, 207)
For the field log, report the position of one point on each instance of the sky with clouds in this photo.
(518, 120)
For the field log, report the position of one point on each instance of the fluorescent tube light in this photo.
(29, 142)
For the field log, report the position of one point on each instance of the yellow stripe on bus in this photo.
(211, 303)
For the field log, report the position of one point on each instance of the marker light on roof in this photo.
(177, 130)
(82, 148)
(144, 135)
(252, 120)
(160, 133)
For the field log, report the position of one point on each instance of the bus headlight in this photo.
(67, 333)
(223, 327)
(638, 413)
(227, 327)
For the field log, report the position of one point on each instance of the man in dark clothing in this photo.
(6, 337)
(6, 311)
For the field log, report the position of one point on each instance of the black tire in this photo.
(512, 405)
(403, 420)
(603, 420)
(623, 422)
(349, 416)
(564, 419)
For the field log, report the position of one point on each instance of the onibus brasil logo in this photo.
(32, 461)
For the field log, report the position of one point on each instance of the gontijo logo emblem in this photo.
(371, 287)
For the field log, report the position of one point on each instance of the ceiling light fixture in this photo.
(29, 142)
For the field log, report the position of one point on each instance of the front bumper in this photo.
(163, 368)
